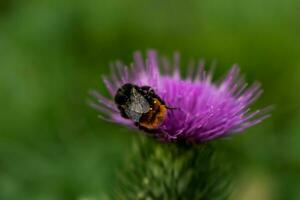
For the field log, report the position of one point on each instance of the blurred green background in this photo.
(53, 146)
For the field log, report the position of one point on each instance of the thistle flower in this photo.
(204, 110)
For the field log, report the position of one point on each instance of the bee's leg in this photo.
(145, 87)
(145, 129)
(137, 124)
(140, 127)
(122, 112)
(147, 90)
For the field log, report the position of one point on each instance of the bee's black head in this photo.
(123, 94)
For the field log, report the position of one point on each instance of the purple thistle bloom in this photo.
(205, 110)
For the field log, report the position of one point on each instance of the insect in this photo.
(141, 105)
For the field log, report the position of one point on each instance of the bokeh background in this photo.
(52, 52)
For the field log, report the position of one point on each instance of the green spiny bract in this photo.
(171, 171)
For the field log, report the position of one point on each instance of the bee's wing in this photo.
(137, 106)
(138, 103)
(133, 115)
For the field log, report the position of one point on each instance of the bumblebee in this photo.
(141, 105)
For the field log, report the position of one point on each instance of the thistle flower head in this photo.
(203, 110)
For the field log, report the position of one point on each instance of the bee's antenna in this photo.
(170, 108)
